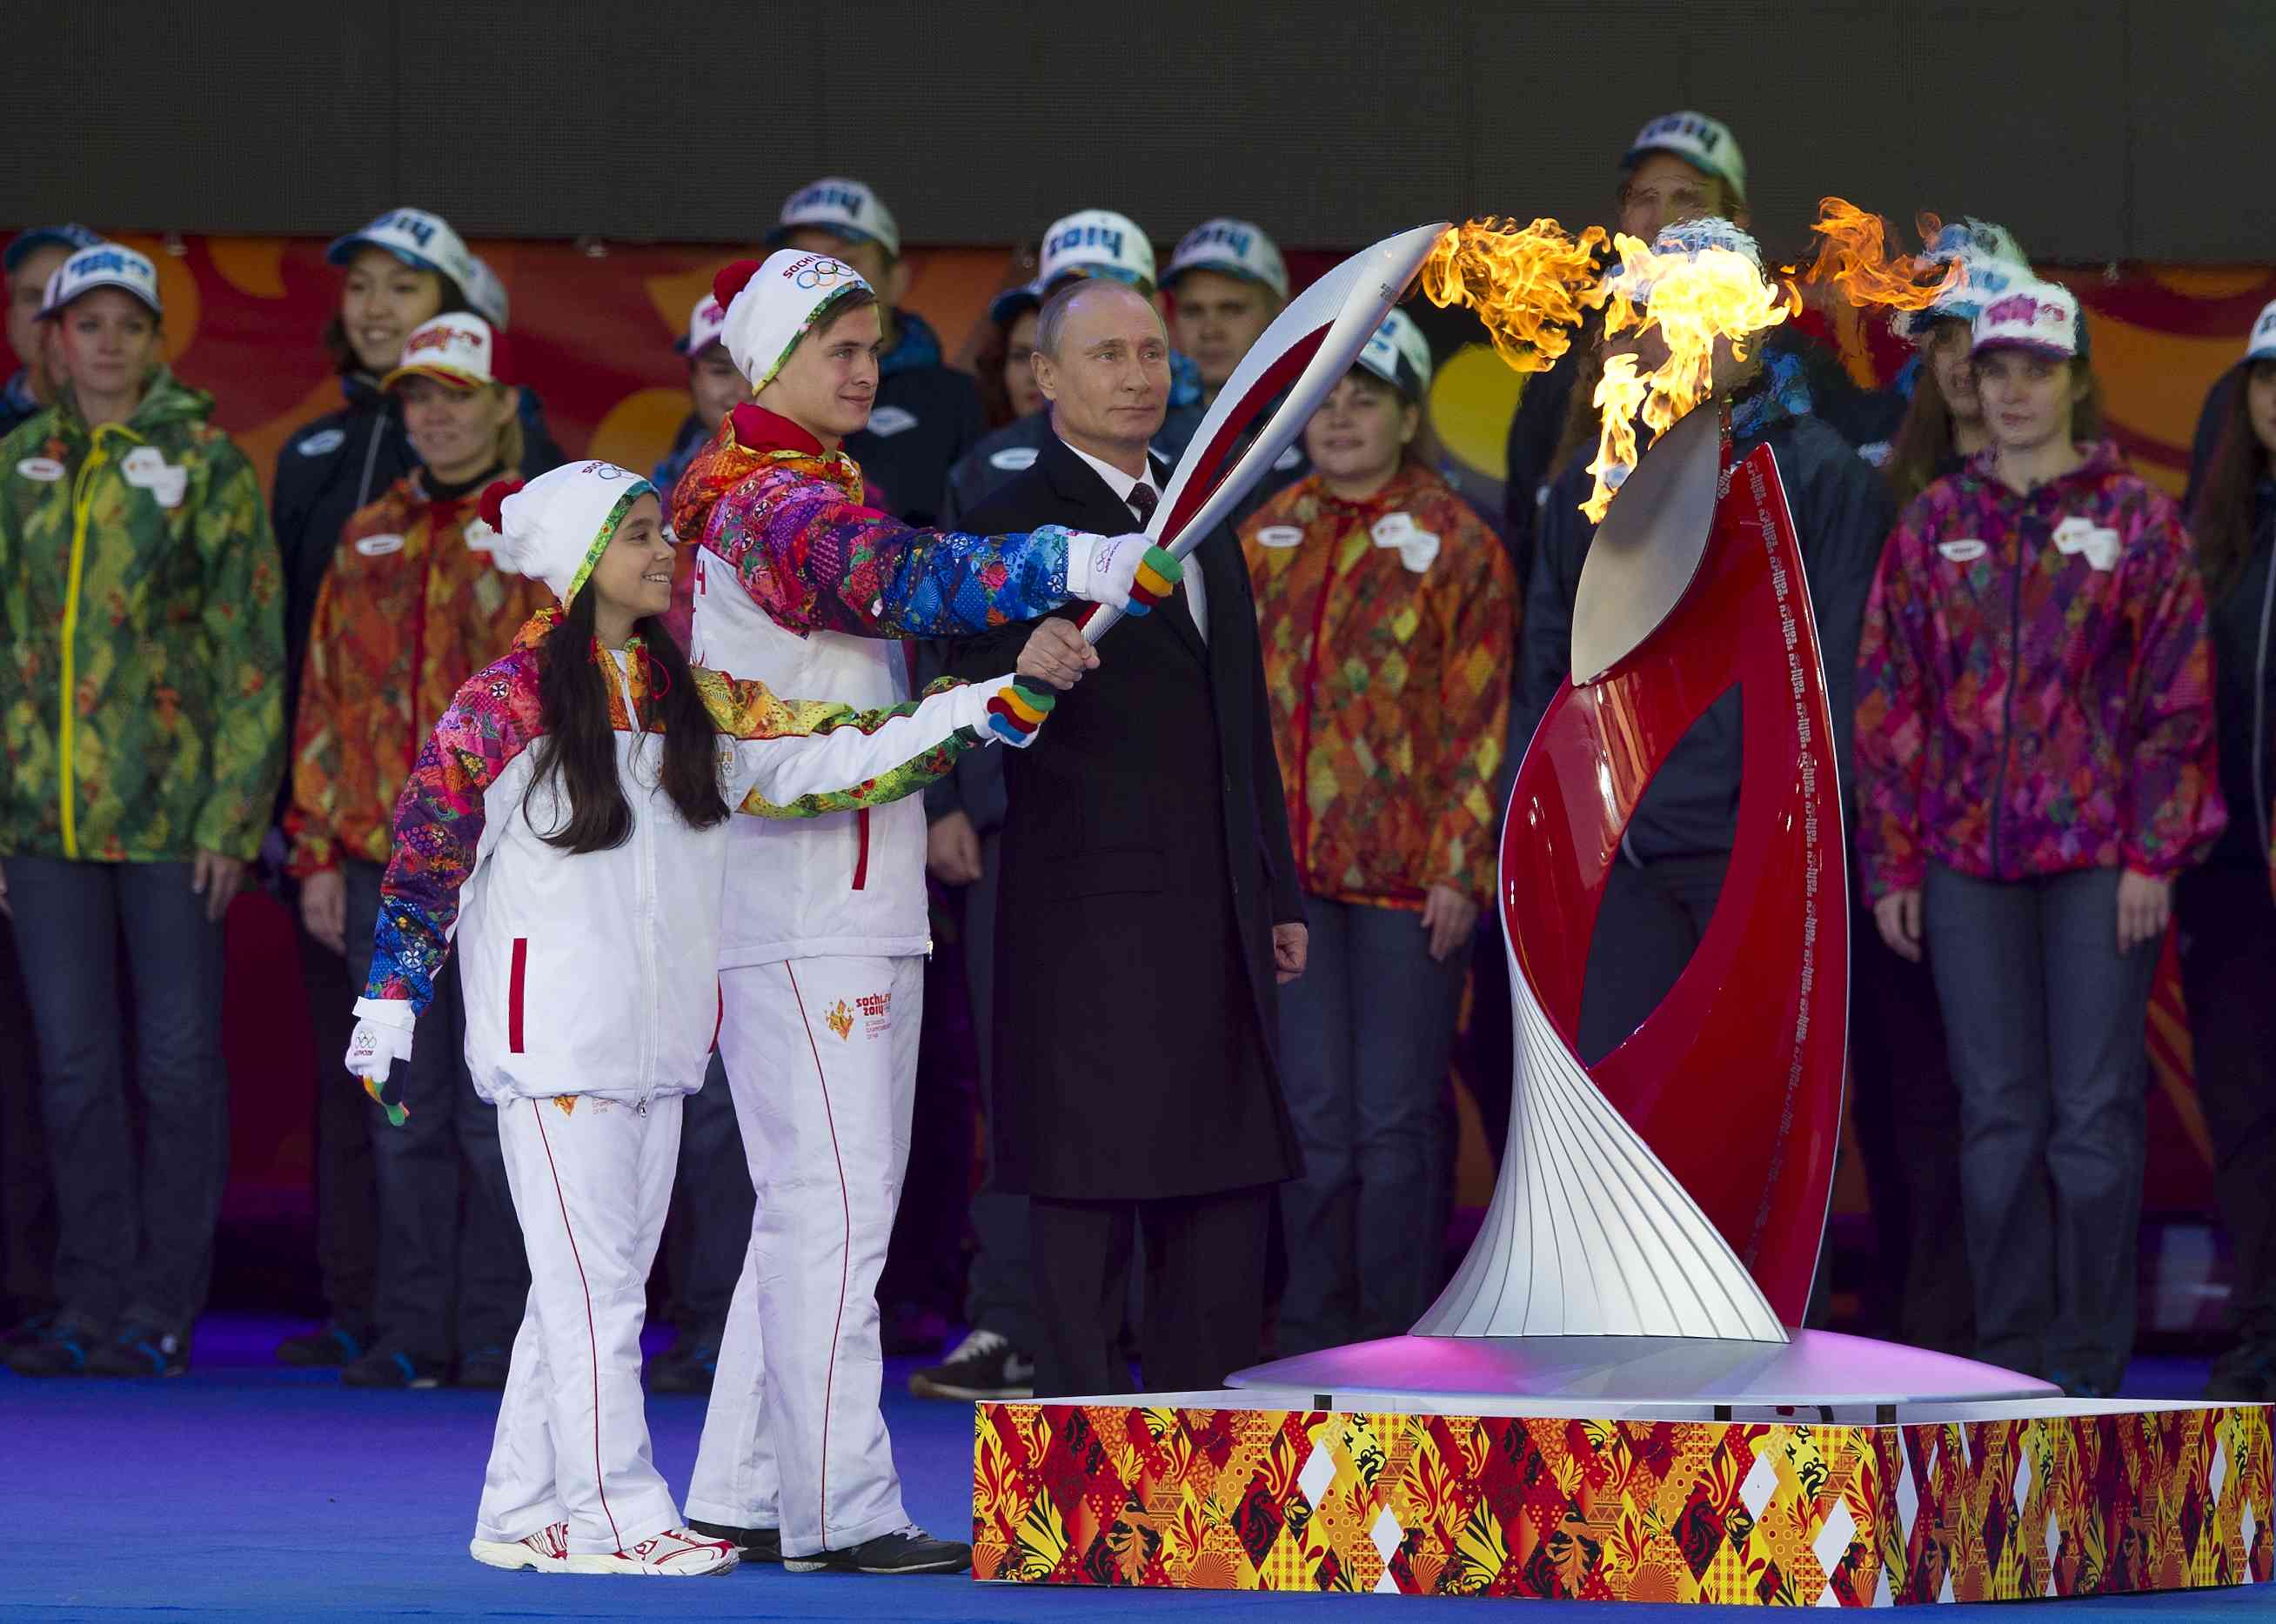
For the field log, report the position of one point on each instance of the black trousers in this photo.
(1204, 1290)
(28, 1196)
(710, 1230)
(1647, 927)
(2228, 977)
(347, 1197)
(1907, 1112)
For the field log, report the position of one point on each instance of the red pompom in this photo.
(493, 501)
(730, 281)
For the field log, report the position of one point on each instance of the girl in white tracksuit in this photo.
(567, 821)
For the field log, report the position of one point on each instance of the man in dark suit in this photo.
(1147, 912)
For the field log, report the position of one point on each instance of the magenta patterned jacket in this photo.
(2034, 684)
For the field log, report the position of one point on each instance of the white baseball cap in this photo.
(1687, 240)
(844, 208)
(1399, 355)
(458, 349)
(2038, 316)
(2262, 345)
(1990, 261)
(487, 293)
(705, 324)
(552, 528)
(1235, 248)
(770, 307)
(417, 238)
(106, 264)
(1706, 144)
(1090, 242)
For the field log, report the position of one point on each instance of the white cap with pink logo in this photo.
(458, 349)
(2041, 317)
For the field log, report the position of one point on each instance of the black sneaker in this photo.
(142, 1349)
(983, 1366)
(63, 1345)
(756, 1544)
(329, 1346)
(485, 1368)
(32, 1328)
(2245, 1374)
(391, 1367)
(909, 1551)
(690, 1366)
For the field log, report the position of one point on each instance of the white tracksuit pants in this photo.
(591, 1180)
(821, 1056)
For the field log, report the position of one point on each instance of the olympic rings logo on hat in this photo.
(818, 273)
(607, 470)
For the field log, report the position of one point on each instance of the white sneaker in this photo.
(547, 1550)
(676, 1553)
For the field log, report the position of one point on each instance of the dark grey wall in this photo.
(2097, 129)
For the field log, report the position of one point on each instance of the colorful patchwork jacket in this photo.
(787, 517)
(1388, 629)
(2034, 685)
(407, 613)
(142, 696)
(596, 973)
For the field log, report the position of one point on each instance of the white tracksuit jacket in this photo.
(595, 973)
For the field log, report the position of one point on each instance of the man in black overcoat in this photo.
(1149, 910)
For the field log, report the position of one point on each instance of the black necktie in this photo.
(1142, 499)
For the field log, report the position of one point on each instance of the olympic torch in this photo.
(1309, 345)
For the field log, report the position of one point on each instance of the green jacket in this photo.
(142, 696)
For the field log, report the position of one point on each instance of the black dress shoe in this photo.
(756, 1544)
(907, 1551)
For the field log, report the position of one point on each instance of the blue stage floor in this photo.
(247, 1491)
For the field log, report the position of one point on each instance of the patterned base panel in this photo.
(1732, 1511)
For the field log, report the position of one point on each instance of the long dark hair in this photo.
(1923, 440)
(2221, 523)
(580, 744)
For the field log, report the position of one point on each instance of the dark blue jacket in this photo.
(1842, 515)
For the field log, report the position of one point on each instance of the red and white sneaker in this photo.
(547, 1550)
(676, 1553)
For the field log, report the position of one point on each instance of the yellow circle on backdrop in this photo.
(1472, 398)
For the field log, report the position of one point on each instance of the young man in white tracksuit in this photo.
(567, 826)
(821, 970)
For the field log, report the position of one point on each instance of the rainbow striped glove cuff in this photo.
(1016, 710)
(1157, 576)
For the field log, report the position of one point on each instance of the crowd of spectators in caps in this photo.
(2051, 680)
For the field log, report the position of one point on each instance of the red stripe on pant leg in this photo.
(861, 862)
(592, 1337)
(514, 994)
(845, 1258)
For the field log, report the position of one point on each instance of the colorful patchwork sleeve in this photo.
(244, 623)
(815, 561)
(803, 758)
(2176, 811)
(1480, 614)
(1891, 736)
(438, 826)
(309, 822)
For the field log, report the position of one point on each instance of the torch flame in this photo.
(1854, 257)
(1695, 298)
(1528, 283)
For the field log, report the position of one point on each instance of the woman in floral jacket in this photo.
(2036, 764)
(142, 704)
(1388, 616)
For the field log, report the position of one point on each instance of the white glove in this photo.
(382, 1036)
(1127, 573)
